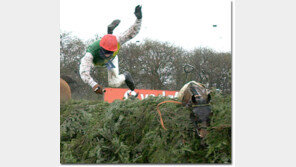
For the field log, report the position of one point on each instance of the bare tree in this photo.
(151, 63)
(212, 68)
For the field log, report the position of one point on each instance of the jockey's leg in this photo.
(114, 79)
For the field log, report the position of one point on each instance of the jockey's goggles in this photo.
(105, 52)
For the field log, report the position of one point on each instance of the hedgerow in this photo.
(129, 132)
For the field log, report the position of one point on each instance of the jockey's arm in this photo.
(131, 32)
(84, 69)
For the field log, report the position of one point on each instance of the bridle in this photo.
(197, 125)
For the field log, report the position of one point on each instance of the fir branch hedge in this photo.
(129, 132)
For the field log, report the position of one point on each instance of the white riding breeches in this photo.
(114, 79)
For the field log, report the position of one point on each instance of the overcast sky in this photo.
(187, 23)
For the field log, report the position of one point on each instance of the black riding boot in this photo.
(129, 81)
(112, 26)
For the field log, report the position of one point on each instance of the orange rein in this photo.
(159, 113)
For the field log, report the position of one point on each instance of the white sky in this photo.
(187, 23)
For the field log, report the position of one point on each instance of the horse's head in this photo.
(201, 117)
(197, 97)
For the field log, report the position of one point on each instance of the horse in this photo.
(65, 91)
(195, 96)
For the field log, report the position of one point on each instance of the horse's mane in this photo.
(185, 93)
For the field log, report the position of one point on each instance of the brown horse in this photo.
(197, 97)
(65, 91)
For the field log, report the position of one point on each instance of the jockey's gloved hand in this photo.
(112, 26)
(138, 12)
(98, 89)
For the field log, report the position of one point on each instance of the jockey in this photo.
(104, 53)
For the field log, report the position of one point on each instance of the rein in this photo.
(200, 105)
(159, 113)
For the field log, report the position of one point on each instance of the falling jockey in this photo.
(104, 53)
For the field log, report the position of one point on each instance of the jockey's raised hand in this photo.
(138, 12)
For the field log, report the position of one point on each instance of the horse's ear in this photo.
(209, 96)
(193, 99)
